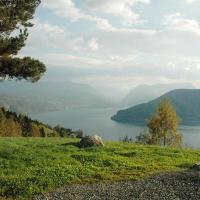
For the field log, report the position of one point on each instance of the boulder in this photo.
(196, 166)
(90, 141)
(72, 135)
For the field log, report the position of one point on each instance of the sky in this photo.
(115, 45)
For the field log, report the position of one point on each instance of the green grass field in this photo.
(31, 166)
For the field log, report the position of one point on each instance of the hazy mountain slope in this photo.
(48, 96)
(185, 101)
(27, 104)
(145, 93)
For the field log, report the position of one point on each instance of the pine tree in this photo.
(163, 125)
(15, 16)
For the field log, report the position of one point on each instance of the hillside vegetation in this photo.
(13, 125)
(185, 102)
(31, 166)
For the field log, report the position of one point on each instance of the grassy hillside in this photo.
(185, 101)
(31, 166)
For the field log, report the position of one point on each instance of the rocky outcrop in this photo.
(196, 166)
(90, 141)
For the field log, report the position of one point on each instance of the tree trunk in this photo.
(164, 140)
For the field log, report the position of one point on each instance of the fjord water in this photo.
(97, 121)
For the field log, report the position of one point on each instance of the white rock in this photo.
(196, 166)
(89, 141)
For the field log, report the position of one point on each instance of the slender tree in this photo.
(15, 16)
(163, 125)
(42, 132)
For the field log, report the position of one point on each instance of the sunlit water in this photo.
(98, 121)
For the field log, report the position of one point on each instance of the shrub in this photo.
(127, 139)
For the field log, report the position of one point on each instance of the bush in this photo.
(79, 134)
(127, 139)
(143, 138)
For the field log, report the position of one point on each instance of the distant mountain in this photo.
(145, 93)
(23, 97)
(27, 105)
(185, 101)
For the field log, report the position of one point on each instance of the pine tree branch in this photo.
(21, 68)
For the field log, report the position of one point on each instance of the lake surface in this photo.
(97, 121)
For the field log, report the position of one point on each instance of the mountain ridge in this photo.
(144, 93)
(185, 101)
(48, 96)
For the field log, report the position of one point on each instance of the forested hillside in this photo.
(13, 125)
(185, 101)
(146, 93)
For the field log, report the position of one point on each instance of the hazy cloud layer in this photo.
(118, 44)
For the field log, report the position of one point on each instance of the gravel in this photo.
(169, 186)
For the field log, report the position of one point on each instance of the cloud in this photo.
(119, 50)
(120, 8)
(93, 44)
(63, 8)
(68, 9)
(119, 47)
(124, 9)
(111, 53)
(45, 37)
(179, 23)
(190, 1)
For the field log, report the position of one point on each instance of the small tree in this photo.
(42, 132)
(79, 133)
(143, 138)
(163, 125)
